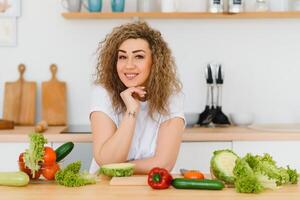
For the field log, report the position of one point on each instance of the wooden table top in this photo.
(102, 190)
(196, 134)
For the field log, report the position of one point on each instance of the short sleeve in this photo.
(176, 107)
(100, 101)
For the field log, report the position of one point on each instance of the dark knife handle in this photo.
(219, 79)
(209, 78)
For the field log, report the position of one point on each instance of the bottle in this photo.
(295, 5)
(261, 5)
(215, 6)
(236, 6)
(144, 5)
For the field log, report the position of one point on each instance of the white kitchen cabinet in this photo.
(10, 154)
(283, 152)
(81, 151)
(197, 155)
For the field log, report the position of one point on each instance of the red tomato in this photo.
(49, 156)
(37, 174)
(25, 169)
(49, 171)
(21, 157)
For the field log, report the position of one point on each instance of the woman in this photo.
(137, 105)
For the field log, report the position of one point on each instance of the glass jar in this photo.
(236, 6)
(295, 5)
(261, 5)
(215, 6)
(144, 5)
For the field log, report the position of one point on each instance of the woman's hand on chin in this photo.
(132, 97)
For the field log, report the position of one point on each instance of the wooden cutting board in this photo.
(6, 124)
(134, 180)
(19, 100)
(130, 180)
(54, 100)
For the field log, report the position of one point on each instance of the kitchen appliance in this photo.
(77, 129)
(20, 100)
(54, 100)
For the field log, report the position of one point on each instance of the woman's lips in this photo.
(131, 76)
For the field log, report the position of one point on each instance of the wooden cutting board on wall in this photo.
(54, 100)
(20, 100)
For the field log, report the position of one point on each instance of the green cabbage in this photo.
(117, 169)
(222, 164)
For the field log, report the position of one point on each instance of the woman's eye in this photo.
(121, 57)
(139, 56)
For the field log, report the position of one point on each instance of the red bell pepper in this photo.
(159, 178)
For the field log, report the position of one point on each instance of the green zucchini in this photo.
(14, 178)
(63, 150)
(183, 183)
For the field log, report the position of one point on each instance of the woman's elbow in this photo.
(168, 165)
(100, 160)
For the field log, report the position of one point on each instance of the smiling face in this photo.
(134, 62)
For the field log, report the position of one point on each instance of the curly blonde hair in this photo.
(162, 81)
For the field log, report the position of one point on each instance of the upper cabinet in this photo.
(180, 15)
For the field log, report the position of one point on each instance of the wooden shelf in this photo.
(180, 15)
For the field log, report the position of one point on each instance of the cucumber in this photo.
(182, 183)
(14, 178)
(117, 169)
(63, 150)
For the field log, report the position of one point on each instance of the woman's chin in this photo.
(128, 85)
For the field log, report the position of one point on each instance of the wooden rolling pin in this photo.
(41, 127)
(6, 124)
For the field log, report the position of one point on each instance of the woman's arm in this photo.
(168, 144)
(111, 145)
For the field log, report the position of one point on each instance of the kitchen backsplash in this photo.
(259, 56)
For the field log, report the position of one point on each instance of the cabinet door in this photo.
(283, 152)
(197, 155)
(81, 151)
(10, 154)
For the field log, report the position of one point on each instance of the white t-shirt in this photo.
(144, 140)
